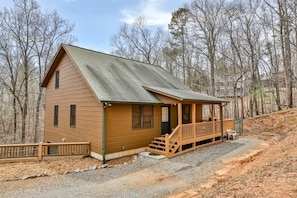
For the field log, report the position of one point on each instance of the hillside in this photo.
(270, 172)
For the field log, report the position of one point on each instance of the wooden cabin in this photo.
(124, 107)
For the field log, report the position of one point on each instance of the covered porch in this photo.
(189, 121)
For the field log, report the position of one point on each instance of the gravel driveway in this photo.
(144, 178)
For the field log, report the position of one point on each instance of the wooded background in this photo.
(240, 50)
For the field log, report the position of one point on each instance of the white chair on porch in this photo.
(231, 134)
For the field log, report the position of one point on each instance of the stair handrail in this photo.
(174, 131)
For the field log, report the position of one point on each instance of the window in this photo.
(142, 116)
(186, 113)
(165, 114)
(56, 115)
(57, 79)
(72, 115)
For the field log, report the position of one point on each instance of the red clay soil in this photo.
(31, 169)
(271, 172)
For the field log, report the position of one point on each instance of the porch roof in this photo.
(185, 95)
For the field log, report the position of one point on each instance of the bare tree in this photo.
(138, 42)
(29, 40)
(206, 28)
(285, 34)
(52, 31)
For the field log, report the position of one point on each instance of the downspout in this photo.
(105, 106)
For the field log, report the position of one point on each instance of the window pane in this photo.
(56, 114)
(147, 116)
(165, 115)
(72, 115)
(186, 114)
(136, 116)
(57, 82)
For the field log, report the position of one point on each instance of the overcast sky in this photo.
(97, 20)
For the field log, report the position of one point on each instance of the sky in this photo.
(97, 20)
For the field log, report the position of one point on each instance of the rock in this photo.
(104, 166)
(42, 175)
(66, 172)
(77, 170)
(25, 177)
(2, 180)
(94, 167)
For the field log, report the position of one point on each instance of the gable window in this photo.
(142, 116)
(56, 115)
(72, 115)
(57, 80)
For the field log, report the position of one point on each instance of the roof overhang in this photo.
(185, 95)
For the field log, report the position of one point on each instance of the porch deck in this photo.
(188, 137)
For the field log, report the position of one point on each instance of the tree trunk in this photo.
(37, 115)
(15, 118)
(26, 99)
(286, 49)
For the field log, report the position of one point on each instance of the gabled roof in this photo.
(115, 79)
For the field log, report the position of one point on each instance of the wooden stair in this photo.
(158, 143)
(158, 146)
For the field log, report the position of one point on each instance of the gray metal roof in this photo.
(184, 95)
(115, 79)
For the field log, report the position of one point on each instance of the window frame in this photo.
(57, 79)
(56, 115)
(73, 115)
(186, 114)
(139, 116)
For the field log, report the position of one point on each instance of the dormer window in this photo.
(57, 81)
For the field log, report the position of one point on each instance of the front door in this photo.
(165, 120)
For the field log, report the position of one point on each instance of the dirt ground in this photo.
(269, 173)
(10, 171)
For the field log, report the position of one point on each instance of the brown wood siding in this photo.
(198, 113)
(166, 100)
(119, 133)
(72, 90)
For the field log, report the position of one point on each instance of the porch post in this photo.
(194, 118)
(167, 147)
(222, 121)
(180, 119)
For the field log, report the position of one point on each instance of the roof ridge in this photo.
(112, 55)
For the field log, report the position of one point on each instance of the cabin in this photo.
(123, 107)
